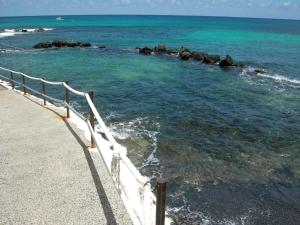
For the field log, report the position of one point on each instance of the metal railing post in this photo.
(24, 83)
(12, 80)
(67, 99)
(92, 119)
(161, 186)
(44, 91)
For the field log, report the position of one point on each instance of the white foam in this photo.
(12, 32)
(269, 75)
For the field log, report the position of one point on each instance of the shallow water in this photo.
(227, 140)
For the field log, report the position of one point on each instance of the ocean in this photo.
(228, 141)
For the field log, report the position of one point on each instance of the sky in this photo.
(283, 9)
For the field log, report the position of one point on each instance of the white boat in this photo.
(59, 18)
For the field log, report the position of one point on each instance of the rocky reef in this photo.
(62, 44)
(185, 54)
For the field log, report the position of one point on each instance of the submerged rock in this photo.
(210, 59)
(160, 49)
(101, 46)
(62, 44)
(145, 51)
(260, 71)
(227, 61)
(43, 45)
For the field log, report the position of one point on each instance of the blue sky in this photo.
(289, 9)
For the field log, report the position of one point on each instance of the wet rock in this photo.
(24, 30)
(199, 56)
(101, 46)
(40, 30)
(260, 71)
(85, 45)
(227, 61)
(145, 51)
(160, 49)
(59, 43)
(43, 45)
(62, 44)
(210, 59)
(73, 44)
(184, 53)
(172, 52)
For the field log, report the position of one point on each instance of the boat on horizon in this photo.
(59, 18)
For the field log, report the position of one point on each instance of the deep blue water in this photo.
(227, 140)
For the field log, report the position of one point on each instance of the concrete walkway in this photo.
(47, 174)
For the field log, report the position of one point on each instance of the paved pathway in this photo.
(47, 174)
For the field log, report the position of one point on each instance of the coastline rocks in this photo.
(227, 61)
(43, 45)
(145, 51)
(259, 71)
(199, 56)
(172, 52)
(211, 59)
(62, 44)
(184, 54)
(160, 49)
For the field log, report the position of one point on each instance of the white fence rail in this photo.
(134, 189)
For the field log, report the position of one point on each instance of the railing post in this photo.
(92, 119)
(161, 186)
(44, 91)
(67, 99)
(24, 83)
(12, 80)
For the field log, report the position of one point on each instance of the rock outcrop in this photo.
(62, 44)
(227, 61)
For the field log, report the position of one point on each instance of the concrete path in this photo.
(47, 174)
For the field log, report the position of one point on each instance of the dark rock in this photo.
(160, 49)
(40, 30)
(59, 43)
(260, 71)
(43, 45)
(184, 53)
(62, 44)
(210, 59)
(85, 45)
(227, 61)
(24, 30)
(73, 44)
(145, 51)
(199, 56)
(172, 51)
(101, 46)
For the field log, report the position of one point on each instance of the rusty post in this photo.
(12, 80)
(161, 186)
(24, 83)
(67, 99)
(44, 91)
(92, 119)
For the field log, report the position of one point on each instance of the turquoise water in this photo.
(227, 140)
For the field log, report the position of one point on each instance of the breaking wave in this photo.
(141, 130)
(269, 75)
(13, 32)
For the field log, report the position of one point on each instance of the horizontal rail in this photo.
(134, 188)
(101, 123)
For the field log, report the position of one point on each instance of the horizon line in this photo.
(237, 17)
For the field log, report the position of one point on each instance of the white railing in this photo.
(134, 189)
